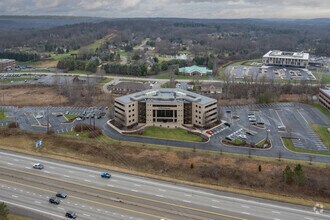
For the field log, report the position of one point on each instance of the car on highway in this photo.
(54, 200)
(105, 175)
(71, 214)
(78, 119)
(39, 116)
(38, 166)
(62, 195)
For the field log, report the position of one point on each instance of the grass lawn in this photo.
(322, 132)
(15, 79)
(168, 76)
(322, 109)
(80, 72)
(83, 134)
(71, 117)
(2, 115)
(261, 143)
(288, 144)
(173, 134)
(17, 217)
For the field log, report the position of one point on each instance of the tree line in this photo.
(19, 56)
(73, 64)
(133, 69)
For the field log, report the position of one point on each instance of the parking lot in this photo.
(269, 72)
(36, 119)
(253, 123)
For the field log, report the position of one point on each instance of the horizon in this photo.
(187, 18)
(201, 9)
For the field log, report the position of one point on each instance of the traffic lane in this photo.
(85, 206)
(177, 194)
(159, 189)
(151, 204)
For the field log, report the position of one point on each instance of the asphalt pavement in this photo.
(126, 196)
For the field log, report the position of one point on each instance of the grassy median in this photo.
(171, 134)
(322, 109)
(2, 115)
(323, 133)
(289, 145)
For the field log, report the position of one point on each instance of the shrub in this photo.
(94, 133)
(288, 175)
(13, 125)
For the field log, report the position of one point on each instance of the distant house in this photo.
(129, 87)
(195, 70)
(7, 64)
(211, 88)
(95, 58)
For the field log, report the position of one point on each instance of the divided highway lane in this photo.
(35, 198)
(188, 200)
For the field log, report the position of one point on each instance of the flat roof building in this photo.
(6, 64)
(195, 70)
(165, 108)
(285, 58)
(324, 97)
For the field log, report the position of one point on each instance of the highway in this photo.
(126, 196)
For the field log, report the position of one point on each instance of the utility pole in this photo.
(94, 122)
(47, 120)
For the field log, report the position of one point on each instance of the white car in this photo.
(39, 116)
(242, 136)
(78, 119)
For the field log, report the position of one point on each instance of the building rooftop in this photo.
(165, 95)
(326, 90)
(192, 69)
(286, 54)
(131, 86)
(6, 60)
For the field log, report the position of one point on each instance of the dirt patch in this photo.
(218, 170)
(42, 95)
(31, 95)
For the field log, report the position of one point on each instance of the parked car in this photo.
(105, 175)
(55, 200)
(61, 195)
(209, 132)
(71, 214)
(38, 166)
(227, 124)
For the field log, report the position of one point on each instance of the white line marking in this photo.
(10, 164)
(87, 181)
(308, 218)
(86, 215)
(36, 210)
(110, 185)
(137, 185)
(160, 196)
(46, 171)
(14, 196)
(245, 206)
(162, 190)
(216, 207)
(277, 212)
(134, 190)
(37, 202)
(187, 201)
(188, 195)
(66, 176)
(213, 200)
(245, 213)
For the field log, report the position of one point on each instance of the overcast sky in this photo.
(170, 8)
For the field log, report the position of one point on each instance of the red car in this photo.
(209, 132)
